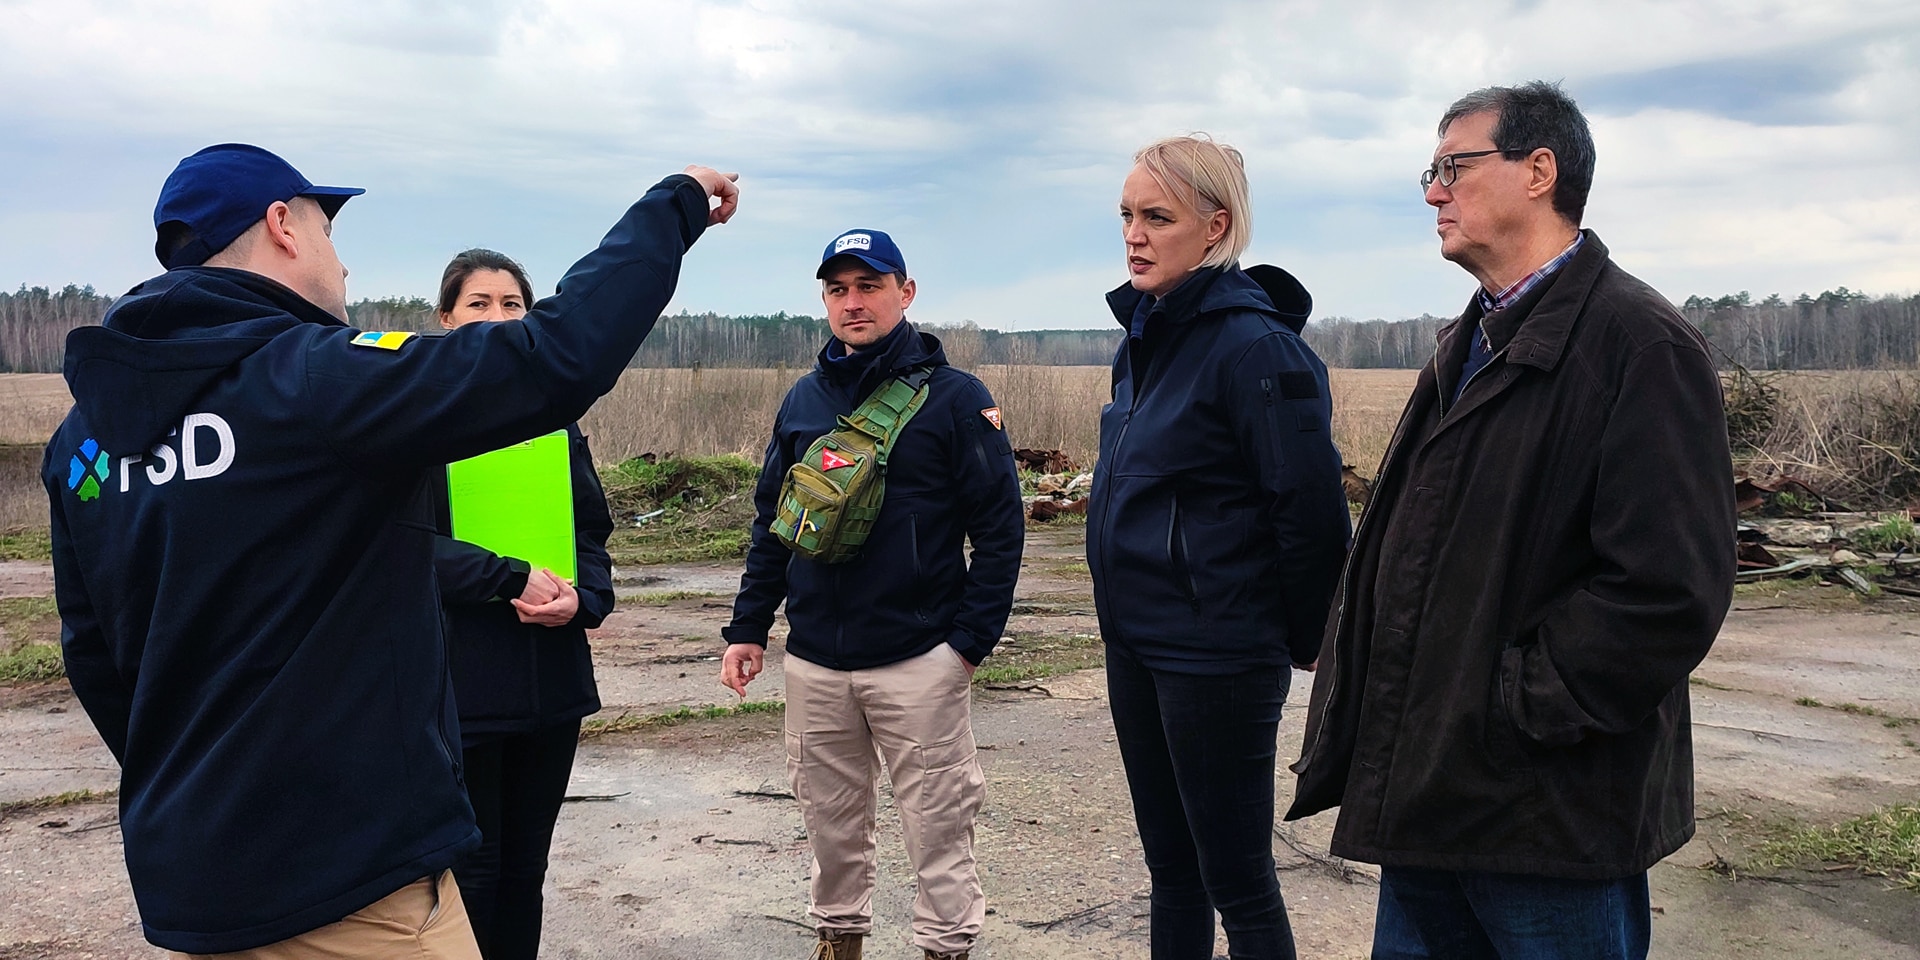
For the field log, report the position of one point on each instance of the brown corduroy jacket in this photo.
(1503, 685)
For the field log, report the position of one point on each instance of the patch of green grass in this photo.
(1891, 721)
(1889, 535)
(67, 799)
(1065, 520)
(1038, 656)
(29, 640)
(1884, 843)
(27, 545)
(33, 662)
(667, 597)
(1709, 684)
(626, 722)
(1790, 504)
(704, 509)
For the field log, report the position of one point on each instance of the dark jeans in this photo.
(1504, 916)
(1199, 753)
(516, 782)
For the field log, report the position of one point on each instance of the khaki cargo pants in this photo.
(424, 920)
(916, 716)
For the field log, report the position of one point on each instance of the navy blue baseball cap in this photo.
(220, 192)
(874, 248)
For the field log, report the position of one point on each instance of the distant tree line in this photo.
(1837, 329)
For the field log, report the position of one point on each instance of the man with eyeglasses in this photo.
(1501, 707)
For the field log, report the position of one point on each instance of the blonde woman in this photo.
(1215, 536)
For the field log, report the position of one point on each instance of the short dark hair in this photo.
(469, 262)
(899, 276)
(1534, 115)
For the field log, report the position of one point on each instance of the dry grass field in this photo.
(1855, 434)
(703, 412)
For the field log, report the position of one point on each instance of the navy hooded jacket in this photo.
(950, 477)
(1218, 524)
(243, 549)
(514, 677)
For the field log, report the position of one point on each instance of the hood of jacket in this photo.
(904, 348)
(167, 340)
(1262, 287)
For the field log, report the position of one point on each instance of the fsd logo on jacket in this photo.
(205, 450)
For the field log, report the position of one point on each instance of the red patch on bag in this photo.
(833, 461)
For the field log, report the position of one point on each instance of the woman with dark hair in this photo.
(1214, 535)
(522, 671)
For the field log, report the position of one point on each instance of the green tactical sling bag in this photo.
(830, 499)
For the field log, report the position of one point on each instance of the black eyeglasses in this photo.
(1447, 171)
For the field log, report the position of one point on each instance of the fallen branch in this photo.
(765, 794)
(1019, 688)
(593, 797)
(1335, 866)
(1048, 925)
(789, 921)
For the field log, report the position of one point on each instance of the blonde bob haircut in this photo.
(1208, 176)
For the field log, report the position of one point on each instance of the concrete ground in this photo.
(684, 844)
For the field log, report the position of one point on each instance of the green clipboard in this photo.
(518, 502)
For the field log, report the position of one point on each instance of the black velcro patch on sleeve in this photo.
(1299, 385)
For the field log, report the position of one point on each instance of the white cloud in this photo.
(1774, 150)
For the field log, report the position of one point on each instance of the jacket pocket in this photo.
(1180, 556)
(1501, 739)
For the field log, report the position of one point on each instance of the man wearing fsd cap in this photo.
(243, 554)
(882, 647)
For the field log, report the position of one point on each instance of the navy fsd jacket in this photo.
(1217, 524)
(243, 546)
(509, 676)
(950, 476)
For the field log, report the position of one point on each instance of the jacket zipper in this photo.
(919, 570)
(442, 739)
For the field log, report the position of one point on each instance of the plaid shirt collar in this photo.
(1489, 302)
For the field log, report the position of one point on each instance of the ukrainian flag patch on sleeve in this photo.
(392, 340)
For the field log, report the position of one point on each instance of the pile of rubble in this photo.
(1789, 529)
(1060, 487)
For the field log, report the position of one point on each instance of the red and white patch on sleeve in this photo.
(993, 416)
(833, 461)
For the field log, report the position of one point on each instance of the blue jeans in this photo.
(1503, 916)
(1199, 753)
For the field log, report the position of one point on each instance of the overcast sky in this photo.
(1743, 144)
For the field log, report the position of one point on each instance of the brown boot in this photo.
(962, 955)
(838, 946)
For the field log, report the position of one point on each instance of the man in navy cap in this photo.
(243, 554)
(882, 648)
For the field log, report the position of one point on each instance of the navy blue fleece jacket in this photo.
(243, 549)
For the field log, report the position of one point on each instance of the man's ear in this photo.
(906, 294)
(1543, 172)
(280, 235)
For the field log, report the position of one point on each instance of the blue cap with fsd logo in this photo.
(214, 196)
(874, 248)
